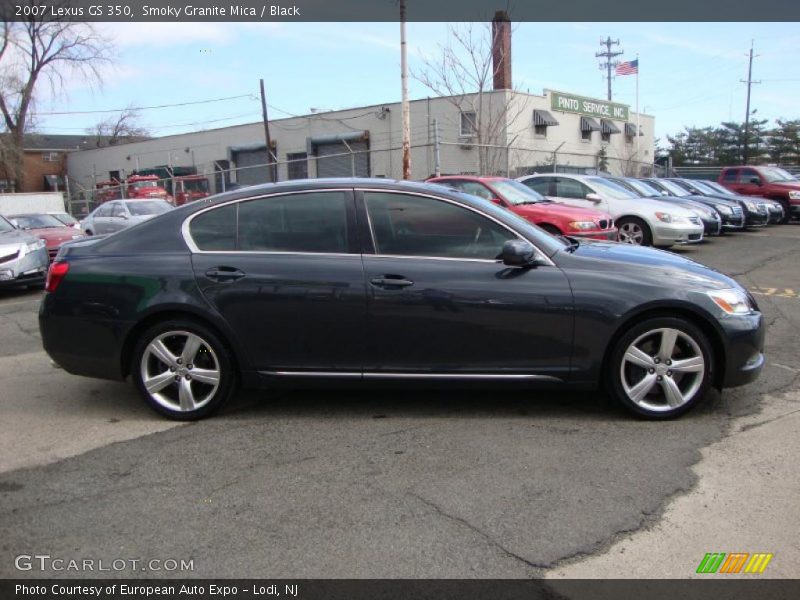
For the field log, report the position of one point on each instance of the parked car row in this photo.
(371, 280)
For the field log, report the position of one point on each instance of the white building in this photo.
(511, 133)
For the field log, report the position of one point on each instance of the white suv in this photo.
(641, 221)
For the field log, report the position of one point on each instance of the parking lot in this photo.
(456, 483)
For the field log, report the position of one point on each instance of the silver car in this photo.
(120, 214)
(641, 221)
(23, 257)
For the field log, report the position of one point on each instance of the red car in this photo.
(555, 218)
(48, 228)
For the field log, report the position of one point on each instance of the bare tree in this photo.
(463, 73)
(120, 129)
(41, 49)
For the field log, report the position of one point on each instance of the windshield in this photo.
(195, 185)
(36, 221)
(773, 174)
(703, 187)
(144, 184)
(643, 188)
(5, 226)
(141, 208)
(673, 188)
(65, 218)
(718, 188)
(515, 192)
(608, 188)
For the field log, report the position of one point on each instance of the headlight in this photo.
(665, 217)
(77, 237)
(750, 206)
(582, 225)
(733, 302)
(794, 195)
(723, 209)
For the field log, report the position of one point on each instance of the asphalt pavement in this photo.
(376, 483)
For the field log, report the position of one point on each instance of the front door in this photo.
(439, 302)
(284, 271)
(574, 192)
(749, 182)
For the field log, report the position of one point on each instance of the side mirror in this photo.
(755, 181)
(592, 197)
(497, 201)
(124, 216)
(518, 253)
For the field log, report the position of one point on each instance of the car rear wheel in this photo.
(661, 368)
(634, 231)
(183, 370)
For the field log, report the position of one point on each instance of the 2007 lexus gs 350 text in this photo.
(363, 280)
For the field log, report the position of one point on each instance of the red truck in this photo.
(768, 182)
(145, 186)
(189, 188)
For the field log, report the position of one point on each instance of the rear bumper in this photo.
(745, 348)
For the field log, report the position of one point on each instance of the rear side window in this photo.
(215, 230)
(540, 185)
(311, 222)
(730, 176)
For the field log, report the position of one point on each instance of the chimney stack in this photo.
(501, 50)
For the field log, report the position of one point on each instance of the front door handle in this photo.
(224, 274)
(390, 282)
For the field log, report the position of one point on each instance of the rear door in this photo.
(730, 179)
(440, 304)
(102, 218)
(285, 272)
(119, 217)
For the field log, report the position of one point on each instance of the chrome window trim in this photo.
(449, 201)
(187, 236)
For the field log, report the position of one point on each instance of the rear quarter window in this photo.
(215, 230)
(730, 176)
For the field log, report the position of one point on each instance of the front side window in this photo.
(570, 188)
(404, 225)
(747, 175)
(540, 185)
(118, 211)
(141, 208)
(475, 189)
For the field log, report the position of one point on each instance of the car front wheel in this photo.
(183, 370)
(661, 367)
(634, 231)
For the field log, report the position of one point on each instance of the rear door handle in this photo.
(391, 282)
(224, 274)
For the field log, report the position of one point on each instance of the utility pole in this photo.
(270, 156)
(610, 62)
(749, 83)
(437, 165)
(404, 85)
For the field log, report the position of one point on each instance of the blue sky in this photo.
(689, 72)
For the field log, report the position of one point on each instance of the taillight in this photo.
(56, 272)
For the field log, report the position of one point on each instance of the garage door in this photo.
(346, 155)
(251, 164)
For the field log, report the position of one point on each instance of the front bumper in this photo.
(666, 234)
(758, 219)
(732, 222)
(607, 235)
(744, 358)
(30, 269)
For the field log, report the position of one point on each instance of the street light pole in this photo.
(404, 85)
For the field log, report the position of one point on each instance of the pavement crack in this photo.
(750, 426)
(440, 511)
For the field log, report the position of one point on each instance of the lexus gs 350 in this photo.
(363, 280)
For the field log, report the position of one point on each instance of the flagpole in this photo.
(638, 157)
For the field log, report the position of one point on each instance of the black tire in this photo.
(787, 210)
(635, 222)
(551, 229)
(211, 356)
(654, 404)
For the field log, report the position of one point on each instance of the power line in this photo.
(132, 108)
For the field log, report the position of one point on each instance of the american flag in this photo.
(630, 67)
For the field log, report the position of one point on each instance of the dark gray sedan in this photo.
(361, 280)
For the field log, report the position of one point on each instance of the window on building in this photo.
(51, 157)
(540, 130)
(586, 135)
(297, 167)
(405, 225)
(468, 124)
(605, 136)
(311, 222)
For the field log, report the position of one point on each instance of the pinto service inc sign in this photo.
(589, 107)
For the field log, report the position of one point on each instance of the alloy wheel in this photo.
(631, 233)
(662, 369)
(180, 371)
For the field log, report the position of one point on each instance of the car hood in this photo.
(646, 263)
(54, 235)
(789, 185)
(17, 236)
(570, 212)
